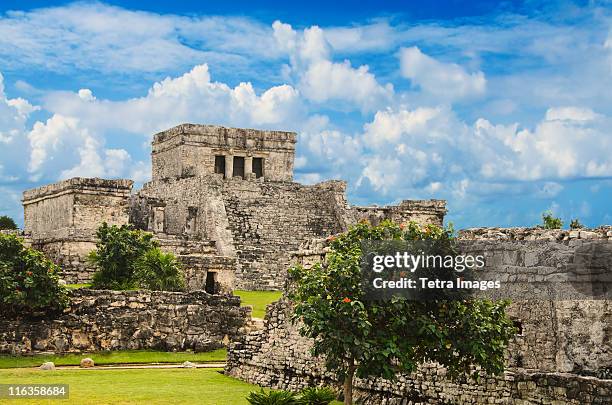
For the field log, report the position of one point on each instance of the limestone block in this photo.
(49, 365)
(87, 363)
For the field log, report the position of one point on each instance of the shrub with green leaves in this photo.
(382, 338)
(7, 222)
(157, 270)
(575, 224)
(551, 222)
(273, 398)
(118, 249)
(29, 282)
(317, 396)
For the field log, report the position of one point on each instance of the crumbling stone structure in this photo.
(121, 320)
(61, 219)
(222, 199)
(562, 354)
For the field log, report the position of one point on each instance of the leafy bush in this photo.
(575, 224)
(157, 270)
(118, 249)
(381, 338)
(317, 396)
(551, 222)
(273, 398)
(29, 282)
(7, 222)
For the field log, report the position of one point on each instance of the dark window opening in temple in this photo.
(220, 164)
(211, 282)
(191, 224)
(258, 167)
(238, 166)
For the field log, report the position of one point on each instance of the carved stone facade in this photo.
(222, 199)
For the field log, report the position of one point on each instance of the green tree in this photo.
(551, 222)
(118, 249)
(7, 222)
(157, 270)
(29, 282)
(381, 338)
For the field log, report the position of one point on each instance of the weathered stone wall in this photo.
(270, 221)
(70, 254)
(559, 341)
(61, 220)
(189, 150)
(536, 234)
(279, 357)
(117, 320)
(420, 211)
(259, 222)
(80, 204)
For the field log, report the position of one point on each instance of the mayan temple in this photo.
(222, 199)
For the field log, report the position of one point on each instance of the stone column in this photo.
(248, 167)
(229, 166)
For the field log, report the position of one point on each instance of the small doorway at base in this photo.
(211, 282)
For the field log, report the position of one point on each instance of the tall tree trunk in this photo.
(348, 383)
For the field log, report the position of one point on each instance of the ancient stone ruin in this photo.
(222, 199)
(561, 355)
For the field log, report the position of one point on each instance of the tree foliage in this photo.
(127, 258)
(381, 338)
(157, 270)
(576, 224)
(118, 248)
(549, 221)
(29, 282)
(7, 222)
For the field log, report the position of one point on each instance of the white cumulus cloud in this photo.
(322, 80)
(447, 80)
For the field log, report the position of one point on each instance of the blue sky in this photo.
(504, 109)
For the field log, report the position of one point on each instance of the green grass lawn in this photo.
(170, 386)
(258, 299)
(114, 357)
(152, 386)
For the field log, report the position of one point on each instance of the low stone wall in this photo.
(559, 343)
(528, 234)
(279, 357)
(118, 320)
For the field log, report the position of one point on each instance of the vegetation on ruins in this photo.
(29, 282)
(157, 270)
(7, 222)
(549, 221)
(127, 258)
(382, 338)
(576, 224)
